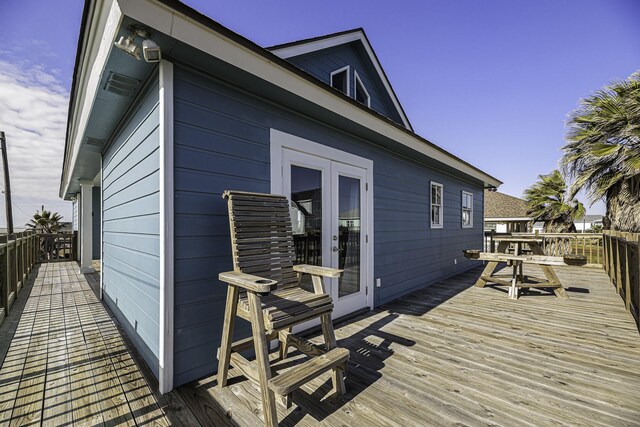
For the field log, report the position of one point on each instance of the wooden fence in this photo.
(18, 255)
(558, 244)
(622, 264)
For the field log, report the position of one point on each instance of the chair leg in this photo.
(284, 344)
(262, 360)
(330, 342)
(224, 354)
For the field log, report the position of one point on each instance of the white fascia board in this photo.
(199, 36)
(301, 49)
(104, 28)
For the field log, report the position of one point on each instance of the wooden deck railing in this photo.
(622, 264)
(19, 252)
(558, 244)
(18, 255)
(57, 247)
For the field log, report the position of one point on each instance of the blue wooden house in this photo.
(152, 143)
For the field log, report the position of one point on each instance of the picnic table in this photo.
(517, 280)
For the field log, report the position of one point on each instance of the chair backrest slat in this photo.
(261, 236)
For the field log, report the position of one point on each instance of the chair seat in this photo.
(286, 307)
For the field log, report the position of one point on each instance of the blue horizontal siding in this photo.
(131, 225)
(222, 142)
(322, 63)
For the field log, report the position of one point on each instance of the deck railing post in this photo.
(627, 284)
(6, 288)
(637, 281)
(616, 262)
(23, 264)
(605, 248)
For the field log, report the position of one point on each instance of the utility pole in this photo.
(7, 185)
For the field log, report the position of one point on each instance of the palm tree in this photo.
(548, 200)
(603, 151)
(45, 222)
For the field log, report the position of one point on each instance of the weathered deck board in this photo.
(452, 353)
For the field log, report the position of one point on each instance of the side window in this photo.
(340, 80)
(361, 95)
(467, 209)
(436, 205)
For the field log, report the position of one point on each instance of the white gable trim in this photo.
(339, 70)
(356, 80)
(312, 46)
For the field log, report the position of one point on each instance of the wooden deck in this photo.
(453, 354)
(68, 363)
(448, 354)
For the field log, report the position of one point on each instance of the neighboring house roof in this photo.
(302, 47)
(503, 206)
(589, 218)
(177, 25)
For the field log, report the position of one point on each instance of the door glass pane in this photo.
(306, 217)
(349, 235)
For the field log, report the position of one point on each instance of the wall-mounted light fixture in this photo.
(150, 49)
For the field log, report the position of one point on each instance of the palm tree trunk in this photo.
(623, 206)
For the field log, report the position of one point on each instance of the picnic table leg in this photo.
(513, 290)
(491, 266)
(549, 273)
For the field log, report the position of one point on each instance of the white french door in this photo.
(330, 220)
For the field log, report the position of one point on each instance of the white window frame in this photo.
(462, 209)
(340, 70)
(431, 205)
(355, 88)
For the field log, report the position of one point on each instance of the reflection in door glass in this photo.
(349, 235)
(306, 217)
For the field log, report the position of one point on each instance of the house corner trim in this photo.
(165, 377)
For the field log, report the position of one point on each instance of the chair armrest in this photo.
(314, 270)
(248, 281)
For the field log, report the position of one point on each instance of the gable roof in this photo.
(175, 23)
(499, 205)
(301, 47)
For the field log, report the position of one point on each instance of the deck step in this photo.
(295, 377)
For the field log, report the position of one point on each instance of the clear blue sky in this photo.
(490, 81)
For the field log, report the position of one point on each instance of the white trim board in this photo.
(462, 194)
(165, 357)
(356, 81)
(324, 43)
(346, 68)
(441, 223)
(281, 140)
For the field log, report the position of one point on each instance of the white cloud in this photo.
(33, 115)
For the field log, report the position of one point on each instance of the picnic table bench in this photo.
(517, 280)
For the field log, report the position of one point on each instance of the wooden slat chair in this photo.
(264, 289)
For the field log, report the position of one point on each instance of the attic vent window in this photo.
(121, 85)
(340, 80)
(361, 95)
